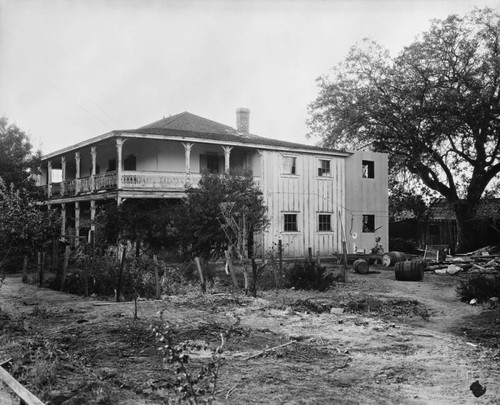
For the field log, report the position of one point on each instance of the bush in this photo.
(308, 276)
(403, 245)
(138, 278)
(478, 285)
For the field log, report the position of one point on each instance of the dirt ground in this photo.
(373, 340)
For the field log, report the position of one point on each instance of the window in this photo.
(368, 223)
(289, 165)
(290, 223)
(368, 169)
(324, 168)
(129, 163)
(111, 165)
(325, 223)
(213, 164)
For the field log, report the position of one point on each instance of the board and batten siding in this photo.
(366, 196)
(307, 195)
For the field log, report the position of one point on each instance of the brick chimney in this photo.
(243, 121)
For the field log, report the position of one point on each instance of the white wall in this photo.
(366, 196)
(306, 195)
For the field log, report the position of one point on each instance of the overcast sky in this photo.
(71, 70)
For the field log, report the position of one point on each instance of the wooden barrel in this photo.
(409, 271)
(360, 266)
(391, 258)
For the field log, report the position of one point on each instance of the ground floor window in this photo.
(325, 223)
(290, 223)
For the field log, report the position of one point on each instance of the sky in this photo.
(72, 70)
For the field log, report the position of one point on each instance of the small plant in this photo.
(308, 276)
(192, 385)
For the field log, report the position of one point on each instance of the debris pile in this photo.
(485, 261)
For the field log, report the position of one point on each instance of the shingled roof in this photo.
(189, 122)
(441, 210)
(193, 126)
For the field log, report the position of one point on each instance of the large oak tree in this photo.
(435, 108)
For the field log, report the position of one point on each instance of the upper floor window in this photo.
(129, 163)
(111, 165)
(368, 169)
(368, 223)
(290, 223)
(289, 165)
(212, 163)
(324, 168)
(324, 223)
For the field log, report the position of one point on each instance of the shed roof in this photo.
(441, 210)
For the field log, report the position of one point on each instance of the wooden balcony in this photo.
(130, 181)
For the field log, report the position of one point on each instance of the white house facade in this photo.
(315, 196)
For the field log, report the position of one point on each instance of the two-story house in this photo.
(315, 196)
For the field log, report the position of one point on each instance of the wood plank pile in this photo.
(485, 261)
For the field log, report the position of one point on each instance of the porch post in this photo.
(49, 178)
(227, 154)
(77, 223)
(63, 175)
(187, 155)
(92, 215)
(119, 149)
(93, 154)
(63, 219)
(77, 174)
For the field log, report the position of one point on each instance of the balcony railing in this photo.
(130, 180)
(158, 180)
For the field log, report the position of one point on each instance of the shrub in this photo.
(308, 276)
(478, 285)
(403, 245)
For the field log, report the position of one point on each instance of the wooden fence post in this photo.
(200, 272)
(231, 269)
(119, 286)
(157, 277)
(25, 269)
(280, 257)
(65, 266)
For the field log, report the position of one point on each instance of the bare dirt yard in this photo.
(373, 340)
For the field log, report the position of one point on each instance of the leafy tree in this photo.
(18, 162)
(201, 227)
(24, 225)
(144, 222)
(434, 108)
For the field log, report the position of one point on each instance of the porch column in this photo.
(119, 149)
(93, 154)
(187, 155)
(49, 178)
(92, 215)
(63, 175)
(77, 174)
(227, 154)
(63, 219)
(77, 223)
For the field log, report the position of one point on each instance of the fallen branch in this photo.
(270, 349)
(19, 389)
(231, 390)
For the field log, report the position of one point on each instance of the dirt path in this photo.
(395, 343)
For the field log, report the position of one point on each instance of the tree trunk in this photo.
(465, 213)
